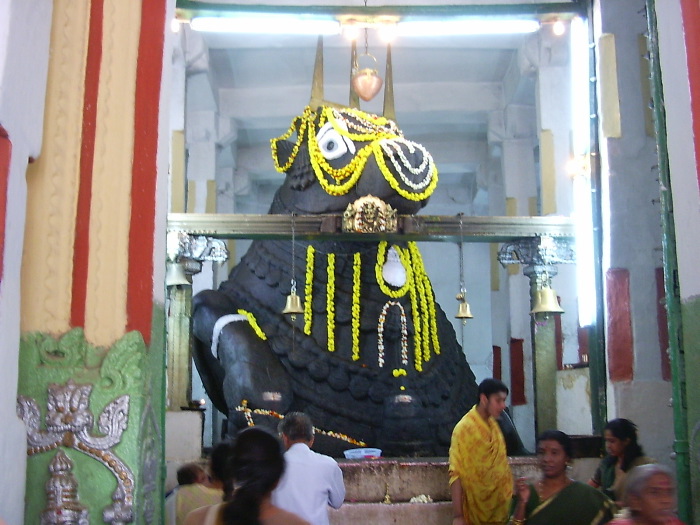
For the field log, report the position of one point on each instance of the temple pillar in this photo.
(91, 359)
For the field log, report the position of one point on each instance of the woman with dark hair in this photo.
(253, 469)
(624, 453)
(556, 498)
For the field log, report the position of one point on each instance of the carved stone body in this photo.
(387, 370)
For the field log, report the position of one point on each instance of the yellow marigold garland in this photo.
(379, 267)
(308, 289)
(427, 301)
(330, 301)
(253, 324)
(356, 269)
(374, 130)
(425, 316)
(307, 117)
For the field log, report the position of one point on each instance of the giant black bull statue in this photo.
(373, 359)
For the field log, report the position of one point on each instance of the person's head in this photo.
(254, 468)
(218, 461)
(621, 441)
(191, 473)
(650, 493)
(554, 452)
(296, 427)
(492, 397)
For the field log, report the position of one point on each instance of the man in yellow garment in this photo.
(481, 482)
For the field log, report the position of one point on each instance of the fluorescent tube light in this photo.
(465, 27)
(267, 24)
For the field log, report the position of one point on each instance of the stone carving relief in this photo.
(68, 424)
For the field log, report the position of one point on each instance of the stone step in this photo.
(439, 513)
(371, 480)
(378, 491)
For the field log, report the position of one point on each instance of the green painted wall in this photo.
(126, 368)
(690, 313)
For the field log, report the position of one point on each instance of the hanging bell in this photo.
(463, 311)
(175, 274)
(366, 81)
(293, 306)
(546, 302)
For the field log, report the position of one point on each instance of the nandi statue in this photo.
(373, 360)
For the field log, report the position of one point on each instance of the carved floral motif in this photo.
(68, 424)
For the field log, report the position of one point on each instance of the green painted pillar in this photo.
(544, 357)
(94, 428)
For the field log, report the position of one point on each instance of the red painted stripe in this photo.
(143, 181)
(497, 363)
(517, 373)
(5, 156)
(620, 340)
(81, 248)
(691, 22)
(662, 323)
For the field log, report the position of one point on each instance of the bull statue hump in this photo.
(373, 359)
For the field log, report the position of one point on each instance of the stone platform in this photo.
(378, 491)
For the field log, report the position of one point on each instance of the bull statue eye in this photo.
(332, 144)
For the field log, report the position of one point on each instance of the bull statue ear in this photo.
(300, 175)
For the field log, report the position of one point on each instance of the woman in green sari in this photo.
(557, 499)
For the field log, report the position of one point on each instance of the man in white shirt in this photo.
(311, 481)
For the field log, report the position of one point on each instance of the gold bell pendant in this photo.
(546, 302)
(463, 311)
(293, 306)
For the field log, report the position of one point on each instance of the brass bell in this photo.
(293, 306)
(546, 302)
(463, 311)
(175, 274)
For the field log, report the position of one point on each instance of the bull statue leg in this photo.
(238, 369)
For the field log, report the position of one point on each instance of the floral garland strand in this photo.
(356, 270)
(391, 179)
(308, 289)
(417, 331)
(248, 415)
(380, 333)
(383, 139)
(427, 301)
(379, 267)
(307, 117)
(253, 324)
(423, 305)
(330, 301)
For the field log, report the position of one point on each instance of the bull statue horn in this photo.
(354, 97)
(389, 111)
(317, 82)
